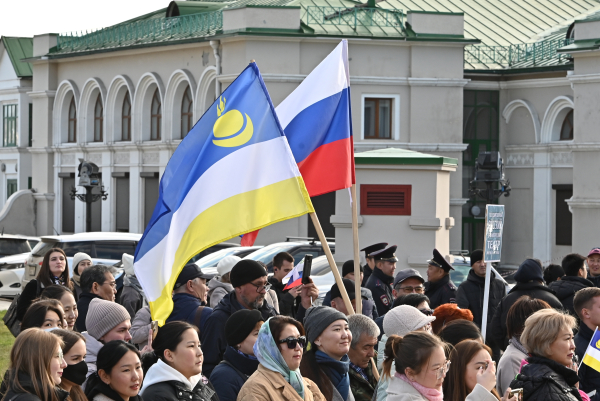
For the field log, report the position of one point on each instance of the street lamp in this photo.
(89, 178)
(489, 171)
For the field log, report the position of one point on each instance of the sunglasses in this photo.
(293, 341)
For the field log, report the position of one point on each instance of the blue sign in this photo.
(494, 223)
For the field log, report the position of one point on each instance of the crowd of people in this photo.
(241, 335)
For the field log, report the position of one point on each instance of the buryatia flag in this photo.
(233, 173)
(295, 276)
(592, 354)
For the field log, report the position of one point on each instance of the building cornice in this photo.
(361, 80)
(41, 94)
(15, 91)
(417, 147)
(519, 84)
(584, 79)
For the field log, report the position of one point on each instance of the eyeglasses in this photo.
(260, 287)
(113, 284)
(427, 312)
(293, 341)
(442, 370)
(418, 289)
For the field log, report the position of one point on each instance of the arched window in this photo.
(566, 131)
(72, 134)
(187, 114)
(126, 119)
(98, 120)
(155, 117)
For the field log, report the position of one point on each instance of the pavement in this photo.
(4, 303)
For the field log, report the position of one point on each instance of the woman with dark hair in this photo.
(459, 330)
(67, 300)
(472, 371)
(36, 367)
(176, 366)
(81, 261)
(279, 350)
(44, 314)
(54, 270)
(510, 362)
(419, 301)
(119, 376)
(75, 372)
(326, 361)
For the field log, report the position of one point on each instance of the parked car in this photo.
(103, 247)
(214, 258)
(16, 244)
(298, 249)
(10, 282)
(213, 249)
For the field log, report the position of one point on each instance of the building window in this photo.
(387, 200)
(98, 120)
(563, 217)
(155, 117)
(30, 124)
(72, 134)
(9, 131)
(126, 119)
(566, 131)
(11, 187)
(187, 113)
(378, 118)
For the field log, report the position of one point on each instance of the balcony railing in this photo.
(354, 17)
(538, 53)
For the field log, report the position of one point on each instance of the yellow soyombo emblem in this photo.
(598, 344)
(229, 125)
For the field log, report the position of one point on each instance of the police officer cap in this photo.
(387, 255)
(373, 248)
(439, 261)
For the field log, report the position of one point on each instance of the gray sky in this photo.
(34, 17)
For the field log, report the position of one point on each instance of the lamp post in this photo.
(89, 178)
(489, 170)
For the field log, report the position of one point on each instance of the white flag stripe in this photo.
(593, 352)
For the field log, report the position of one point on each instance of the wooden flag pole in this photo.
(334, 269)
(357, 280)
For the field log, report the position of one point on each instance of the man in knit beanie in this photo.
(105, 321)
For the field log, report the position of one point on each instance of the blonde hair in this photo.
(31, 354)
(543, 328)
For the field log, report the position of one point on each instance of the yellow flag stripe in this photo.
(591, 362)
(230, 218)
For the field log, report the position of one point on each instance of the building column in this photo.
(542, 206)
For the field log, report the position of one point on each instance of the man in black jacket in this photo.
(593, 262)
(587, 305)
(529, 282)
(470, 295)
(380, 282)
(439, 288)
(96, 282)
(575, 279)
(283, 263)
(368, 268)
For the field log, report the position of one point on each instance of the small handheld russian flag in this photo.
(295, 276)
(592, 354)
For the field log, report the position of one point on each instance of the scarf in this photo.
(251, 357)
(268, 355)
(431, 394)
(132, 281)
(76, 278)
(336, 371)
(57, 280)
(514, 341)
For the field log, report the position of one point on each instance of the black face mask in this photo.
(76, 373)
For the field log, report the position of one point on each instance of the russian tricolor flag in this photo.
(317, 122)
(295, 276)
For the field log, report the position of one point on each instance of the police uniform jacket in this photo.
(380, 285)
(441, 292)
(367, 271)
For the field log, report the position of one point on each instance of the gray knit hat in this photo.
(103, 316)
(403, 319)
(318, 318)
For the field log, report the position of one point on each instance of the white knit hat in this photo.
(403, 319)
(80, 257)
(103, 316)
(226, 264)
(127, 261)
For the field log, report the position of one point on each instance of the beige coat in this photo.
(266, 385)
(508, 367)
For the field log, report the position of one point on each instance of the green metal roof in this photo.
(402, 157)
(18, 49)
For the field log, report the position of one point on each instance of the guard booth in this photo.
(403, 199)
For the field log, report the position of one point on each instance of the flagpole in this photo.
(334, 269)
(357, 280)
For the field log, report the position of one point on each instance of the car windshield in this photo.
(460, 273)
(214, 258)
(13, 246)
(266, 254)
(42, 247)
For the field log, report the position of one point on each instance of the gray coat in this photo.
(217, 290)
(140, 327)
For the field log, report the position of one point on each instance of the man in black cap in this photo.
(408, 281)
(380, 282)
(337, 302)
(189, 297)
(439, 288)
(368, 269)
(368, 304)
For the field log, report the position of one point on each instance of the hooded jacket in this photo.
(399, 390)
(184, 308)
(535, 290)
(470, 296)
(217, 290)
(229, 376)
(594, 280)
(565, 290)
(441, 292)
(266, 384)
(140, 327)
(92, 347)
(27, 384)
(213, 338)
(162, 382)
(589, 379)
(545, 380)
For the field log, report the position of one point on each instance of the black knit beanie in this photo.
(476, 256)
(348, 267)
(245, 271)
(240, 324)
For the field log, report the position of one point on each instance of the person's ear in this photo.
(333, 304)
(169, 355)
(410, 374)
(394, 293)
(95, 287)
(104, 376)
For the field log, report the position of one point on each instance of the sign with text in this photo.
(494, 223)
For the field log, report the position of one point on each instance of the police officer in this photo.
(380, 282)
(368, 268)
(439, 288)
